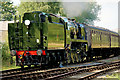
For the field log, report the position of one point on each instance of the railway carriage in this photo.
(101, 41)
(47, 39)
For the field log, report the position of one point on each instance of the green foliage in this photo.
(47, 7)
(5, 52)
(114, 75)
(90, 15)
(7, 10)
(6, 57)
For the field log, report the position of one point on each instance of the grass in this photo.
(11, 66)
(5, 58)
(6, 65)
(114, 75)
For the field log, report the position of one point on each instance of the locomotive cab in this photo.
(77, 31)
(81, 32)
(76, 43)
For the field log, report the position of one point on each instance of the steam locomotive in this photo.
(39, 38)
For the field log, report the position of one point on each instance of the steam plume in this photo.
(73, 9)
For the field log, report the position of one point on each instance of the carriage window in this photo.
(99, 33)
(92, 31)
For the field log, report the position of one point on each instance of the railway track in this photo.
(98, 72)
(95, 71)
(58, 73)
(18, 71)
(26, 70)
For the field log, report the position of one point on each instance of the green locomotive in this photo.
(47, 39)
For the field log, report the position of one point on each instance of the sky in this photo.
(108, 15)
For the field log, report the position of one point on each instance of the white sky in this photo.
(108, 14)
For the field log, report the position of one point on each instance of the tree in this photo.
(48, 7)
(7, 10)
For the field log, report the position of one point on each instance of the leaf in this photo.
(7, 10)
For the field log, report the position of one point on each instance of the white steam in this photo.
(74, 9)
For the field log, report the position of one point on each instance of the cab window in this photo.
(70, 25)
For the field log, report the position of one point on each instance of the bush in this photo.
(6, 57)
